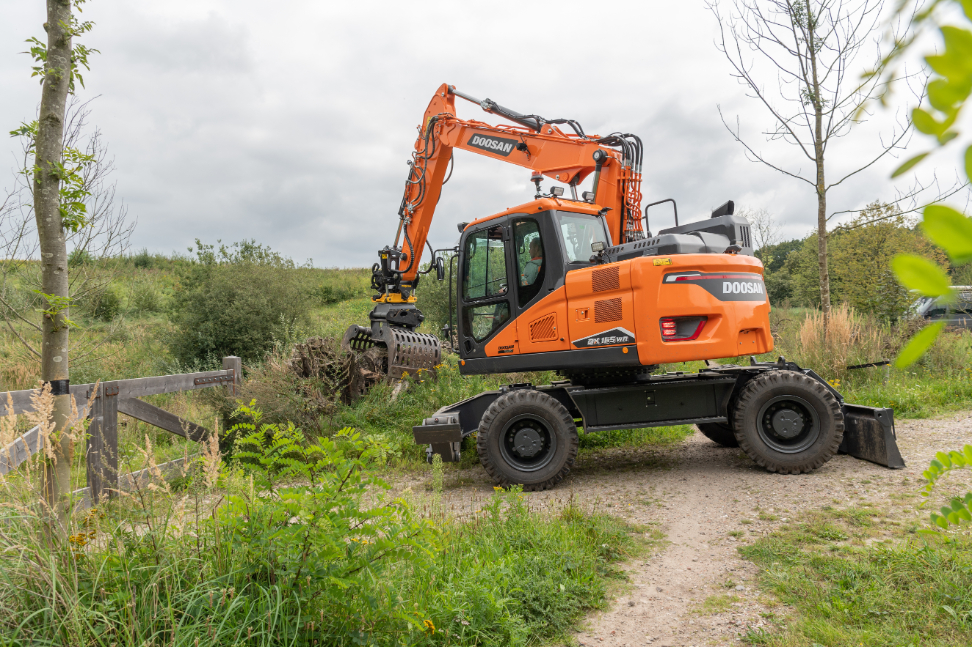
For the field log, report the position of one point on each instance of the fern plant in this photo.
(301, 522)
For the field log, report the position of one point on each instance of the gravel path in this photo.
(708, 500)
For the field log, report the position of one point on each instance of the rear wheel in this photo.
(528, 438)
(719, 432)
(788, 422)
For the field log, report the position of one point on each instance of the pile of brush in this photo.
(351, 374)
(305, 385)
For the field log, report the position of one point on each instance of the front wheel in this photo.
(527, 437)
(788, 422)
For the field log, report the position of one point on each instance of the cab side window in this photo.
(485, 271)
(530, 264)
(485, 283)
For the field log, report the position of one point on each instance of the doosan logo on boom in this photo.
(493, 144)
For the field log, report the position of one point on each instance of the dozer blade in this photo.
(869, 434)
(408, 352)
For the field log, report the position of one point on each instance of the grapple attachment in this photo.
(869, 434)
(408, 351)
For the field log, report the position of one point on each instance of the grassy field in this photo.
(856, 576)
(135, 342)
(839, 587)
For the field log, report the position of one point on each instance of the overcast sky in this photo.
(291, 122)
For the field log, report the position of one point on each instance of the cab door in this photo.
(485, 293)
(541, 322)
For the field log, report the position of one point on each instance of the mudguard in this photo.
(869, 434)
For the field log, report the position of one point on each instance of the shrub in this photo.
(79, 256)
(104, 304)
(331, 294)
(142, 260)
(145, 298)
(433, 299)
(235, 301)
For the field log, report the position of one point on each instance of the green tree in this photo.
(58, 192)
(779, 284)
(861, 253)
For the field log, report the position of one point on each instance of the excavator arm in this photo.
(534, 143)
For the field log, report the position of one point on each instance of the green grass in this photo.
(853, 577)
(507, 575)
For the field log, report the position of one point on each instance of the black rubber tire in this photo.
(719, 432)
(526, 406)
(821, 405)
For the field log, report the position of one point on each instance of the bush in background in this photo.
(235, 300)
(142, 260)
(433, 298)
(860, 262)
(145, 298)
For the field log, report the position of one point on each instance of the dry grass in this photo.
(850, 339)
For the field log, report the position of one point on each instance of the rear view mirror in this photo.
(440, 268)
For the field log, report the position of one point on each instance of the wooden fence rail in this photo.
(112, 398)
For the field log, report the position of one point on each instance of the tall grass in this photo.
(299, 543)
(941, 380)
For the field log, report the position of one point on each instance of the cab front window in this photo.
(579, 231)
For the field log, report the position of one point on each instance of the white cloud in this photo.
(291, 123)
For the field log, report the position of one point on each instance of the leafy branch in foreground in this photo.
(948, 94)
(957, 511)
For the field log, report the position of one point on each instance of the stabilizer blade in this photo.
(869, 434)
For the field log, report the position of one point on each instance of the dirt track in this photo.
(698, 493)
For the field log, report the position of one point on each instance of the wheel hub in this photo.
(787, 423)
(527, 442)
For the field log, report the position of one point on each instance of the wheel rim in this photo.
(527, 443)
(788, 424)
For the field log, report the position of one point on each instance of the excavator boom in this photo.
(534, 143)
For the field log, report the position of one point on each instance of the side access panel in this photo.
(668, 401)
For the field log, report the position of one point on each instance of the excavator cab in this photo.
(510, 262)
(543, 287)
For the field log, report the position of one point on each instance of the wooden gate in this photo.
(112, 398)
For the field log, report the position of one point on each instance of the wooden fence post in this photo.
(102, 456)
(235, 364)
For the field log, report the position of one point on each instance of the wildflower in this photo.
(429, 626)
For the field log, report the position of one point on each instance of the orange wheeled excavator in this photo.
(578, 286)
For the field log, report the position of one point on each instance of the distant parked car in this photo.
(957, 314)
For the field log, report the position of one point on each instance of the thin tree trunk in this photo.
(56, 472)
(821, 186)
